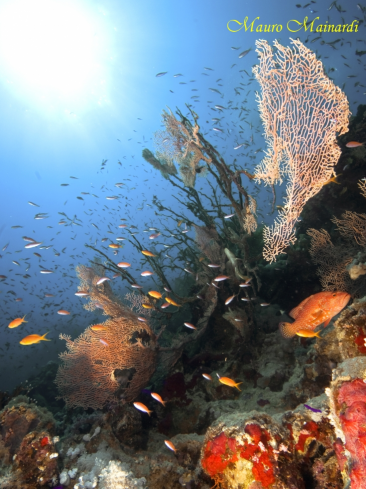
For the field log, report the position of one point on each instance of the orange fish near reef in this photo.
(170, 445)
(314, 310)
(354, 144)
(307, 333)
(173, 303)
(158, 398)
(98, 327)
(229, 382)
(17, 322)
(32, 339)
(142, 407)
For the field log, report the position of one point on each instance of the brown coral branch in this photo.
(353, 225)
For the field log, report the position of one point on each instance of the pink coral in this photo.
(353, 419)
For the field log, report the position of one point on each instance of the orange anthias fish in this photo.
(354, 144)
(123, 264)
(147, 253)
(155, 294)
(229, 382)
(307, 333)
(32, 339)
(158, 398)
(17, 322)
(173, 303)
(98, 327)
(314, 310)
(142, 407)
(170, 445)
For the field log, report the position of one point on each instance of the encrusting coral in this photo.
(251, 450)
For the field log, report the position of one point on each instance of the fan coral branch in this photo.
(332, 261)
(362, 186)
(352, 225)
(165, 166)
(177, 143)
(100, 364)
(207, 241)
(302, 112)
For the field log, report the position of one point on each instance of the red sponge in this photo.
(353, 420)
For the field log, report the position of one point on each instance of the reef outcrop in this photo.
(347, 395)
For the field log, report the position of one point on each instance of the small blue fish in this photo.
(244, 53)
(162, 73)
(312, 409)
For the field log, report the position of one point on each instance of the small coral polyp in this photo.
(223, 451)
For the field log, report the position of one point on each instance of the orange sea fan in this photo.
(100, 365)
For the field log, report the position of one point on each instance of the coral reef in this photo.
(36, 460)
(27, 446)
(118, 476)
(358, 266)
(288, 451)
(279, 430)
(347, 339)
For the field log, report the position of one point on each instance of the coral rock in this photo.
(252, 450)
(37, 460)
(348, 414)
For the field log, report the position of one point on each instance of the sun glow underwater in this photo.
(52, 52)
